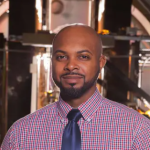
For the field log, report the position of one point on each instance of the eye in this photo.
(84, 57)
(61, 57)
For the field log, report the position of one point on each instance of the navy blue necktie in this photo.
(71, 139)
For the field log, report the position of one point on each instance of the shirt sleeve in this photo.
(6, 144)
(142, 138)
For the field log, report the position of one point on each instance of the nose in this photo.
(71, 65)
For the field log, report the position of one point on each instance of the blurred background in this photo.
(27, 28)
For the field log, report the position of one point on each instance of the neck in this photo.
(75, 103)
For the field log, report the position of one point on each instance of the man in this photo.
(82, 118)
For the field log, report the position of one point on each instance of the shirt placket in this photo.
(64, 122)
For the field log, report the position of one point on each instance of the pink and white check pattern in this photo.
(106, 125)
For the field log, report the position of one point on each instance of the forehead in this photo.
(76, 38)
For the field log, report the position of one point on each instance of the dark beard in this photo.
(72, 92)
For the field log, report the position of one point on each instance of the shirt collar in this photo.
(63, 109)
(87, 109)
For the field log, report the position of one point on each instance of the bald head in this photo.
(80, 34)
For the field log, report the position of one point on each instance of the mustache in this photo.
(72, 73)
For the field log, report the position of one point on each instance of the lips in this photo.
(72, 78)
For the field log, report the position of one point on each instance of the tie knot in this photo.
(74, 115)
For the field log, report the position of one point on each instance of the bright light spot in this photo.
(102, 74)
(89, 16)
(147, 113)
(101, 9)
(38, 57)
(39, 10)
(7, 11)
(50, 32)
(44, 27)
(46, 61)
(50, 91)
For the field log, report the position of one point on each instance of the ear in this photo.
(102, 61)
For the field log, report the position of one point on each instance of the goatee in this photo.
(74, 93)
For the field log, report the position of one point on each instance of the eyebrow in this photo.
(59, 51)
(82, 51)
(79, 52)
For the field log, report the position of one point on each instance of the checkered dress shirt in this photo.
(106, 125)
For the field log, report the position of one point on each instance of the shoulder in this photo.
(38, 116)
(123, 112)
(124, 118)
(29, 125)
(128, 122)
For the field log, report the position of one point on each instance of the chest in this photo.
(96, 134)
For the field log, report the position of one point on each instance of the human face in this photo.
(75, 65)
